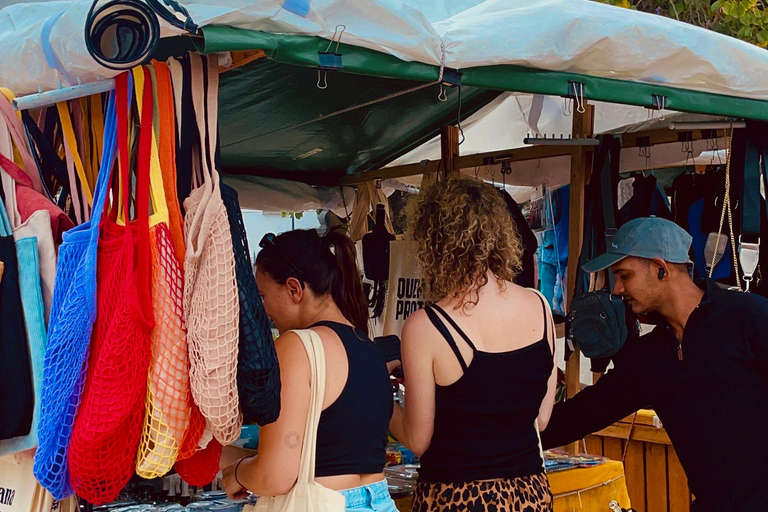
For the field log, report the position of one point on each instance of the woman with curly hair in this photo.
(479, 363)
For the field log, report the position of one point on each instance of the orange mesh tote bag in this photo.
(167, 405)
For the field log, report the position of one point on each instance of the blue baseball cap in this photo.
(646, 237)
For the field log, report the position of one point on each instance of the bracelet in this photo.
(238, 467)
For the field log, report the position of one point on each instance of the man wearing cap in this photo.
(703, 369)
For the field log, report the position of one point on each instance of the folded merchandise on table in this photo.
(555, 460)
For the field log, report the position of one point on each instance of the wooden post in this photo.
(581, 158)
(449, 151)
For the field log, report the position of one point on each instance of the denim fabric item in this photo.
(369, 498)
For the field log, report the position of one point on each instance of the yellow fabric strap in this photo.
(97, 129)
(71, 141)
(159, 206)
(16, 155)
(85, 138)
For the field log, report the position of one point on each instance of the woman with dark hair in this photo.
(478, 363)
(312, 282)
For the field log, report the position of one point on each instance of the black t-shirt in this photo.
(713, 403)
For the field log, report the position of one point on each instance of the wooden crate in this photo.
(655, 479)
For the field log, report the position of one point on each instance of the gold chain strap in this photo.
(727, 208)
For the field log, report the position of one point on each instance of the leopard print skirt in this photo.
(524, 494)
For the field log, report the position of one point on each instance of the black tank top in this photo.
(352, 434)
(485, 423)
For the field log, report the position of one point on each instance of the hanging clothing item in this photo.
(167, 402)
(697, 205)
(16, 388)
(211, 305)
(553, 253)
(526, 277)
(73, 312)
(404, 293)
(107, 429)
(258, 374)
(641, 196)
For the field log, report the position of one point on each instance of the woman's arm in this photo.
(545, 411)
(276, 468)
(413, 425)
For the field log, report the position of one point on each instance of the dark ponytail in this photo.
(327, 265)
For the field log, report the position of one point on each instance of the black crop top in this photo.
(485, 422)
(352, 434)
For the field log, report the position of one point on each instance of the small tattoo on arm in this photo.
(293, 440)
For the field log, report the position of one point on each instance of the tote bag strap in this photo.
(103, 180)
(70, 144)
(316, 354)
(13, 120)
(211, 119)
(165, 116)
(159, 206)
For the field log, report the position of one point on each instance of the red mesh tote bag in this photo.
(211, 305)
(107, 430)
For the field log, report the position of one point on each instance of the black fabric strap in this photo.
(50, 163)
(455, 326)
(753, 168)
(189, 135)
(608, 170)
(446, 334)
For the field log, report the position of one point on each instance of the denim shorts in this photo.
(369, 498)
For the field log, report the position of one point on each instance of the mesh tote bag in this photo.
(107, 429)
(307, 495)
(73, 312)
(211, 305)
(167, 404)
(178, 84)
(201, 468)
(258, 374)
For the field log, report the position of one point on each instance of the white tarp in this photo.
(579, 36)
(274, 195)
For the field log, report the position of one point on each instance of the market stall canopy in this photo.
(275, 121)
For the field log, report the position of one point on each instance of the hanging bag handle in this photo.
(159, 207)
(103, 180)
(749, 239)
(73, 154)
(49, 159)
(13, 121)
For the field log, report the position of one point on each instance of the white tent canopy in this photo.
(576, 36)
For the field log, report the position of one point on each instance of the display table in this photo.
(582, 489)
(589, 489)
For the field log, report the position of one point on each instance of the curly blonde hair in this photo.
(462, 230)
